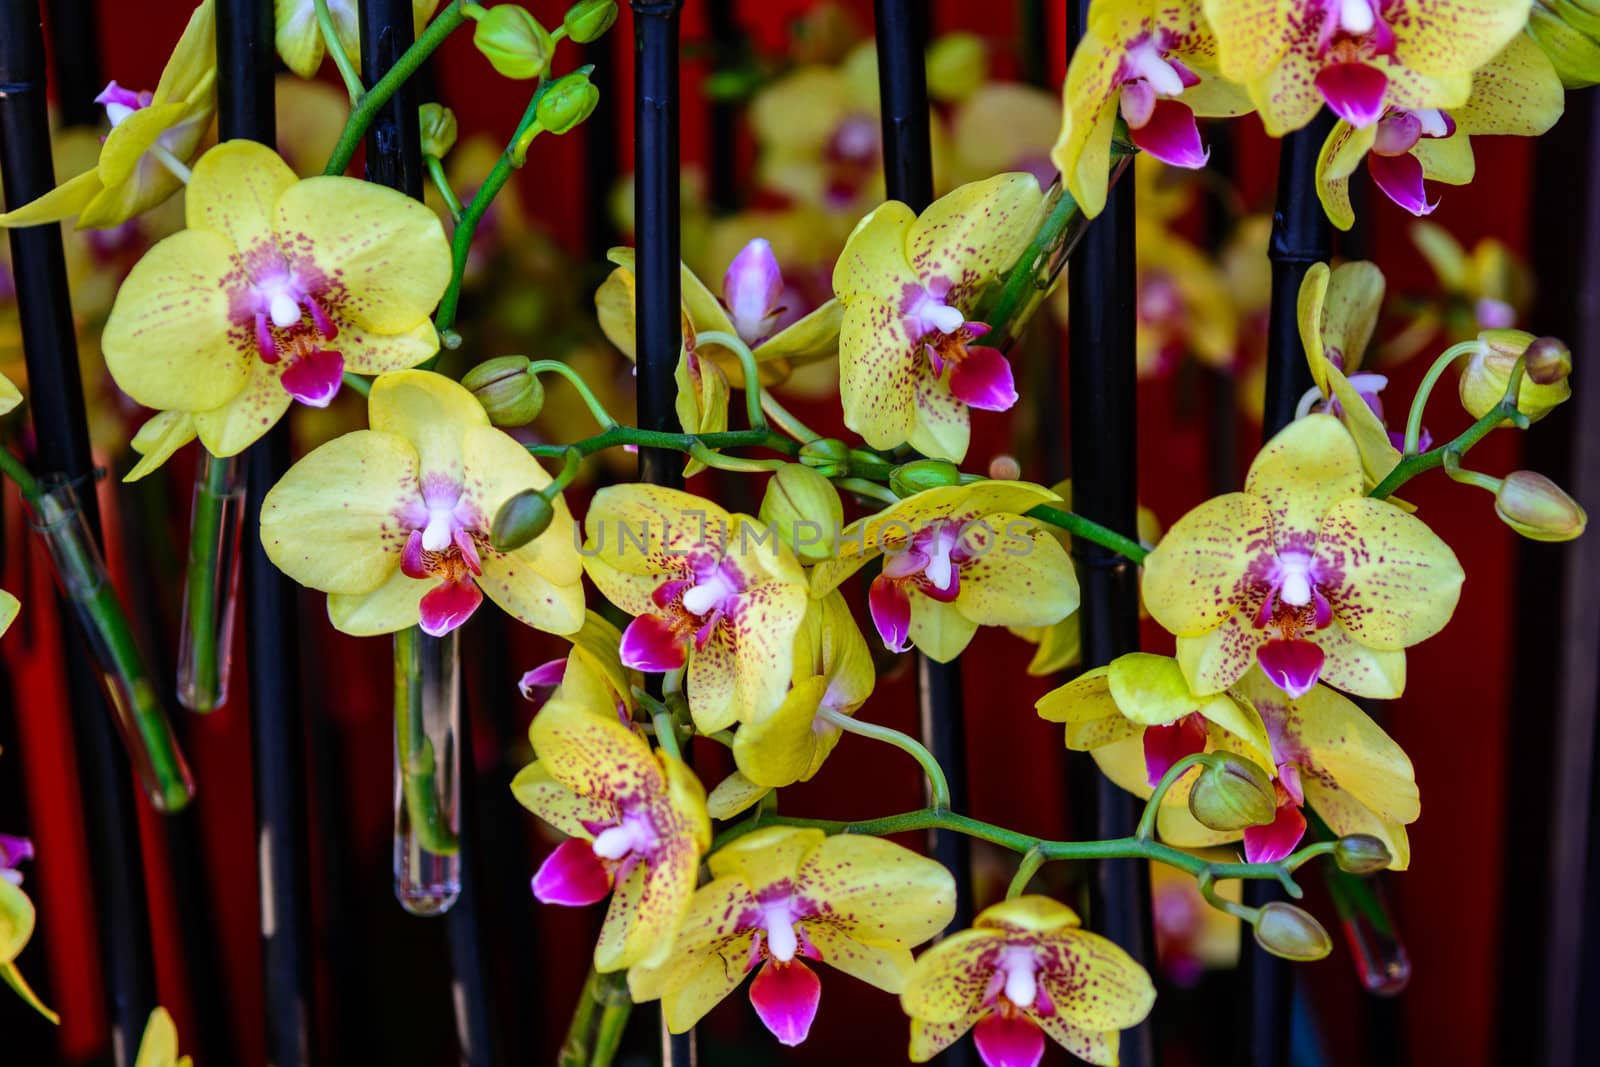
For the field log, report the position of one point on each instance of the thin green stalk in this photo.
(938, 785)
(1411, 466)
(335, 48)
(418, 771)
(619, 436)
(597, 409)
(203, 690)
(667, 733)
(358, 383)
(371, 102)
(747, 361)
(785, 421)
(733, 463)
(613, 1019)
(442, 183)
(1032, 860)
(1429, 380)
(871, 490)
(13, 468)
(1147, 821)
(1089, 530)
(597, 1021)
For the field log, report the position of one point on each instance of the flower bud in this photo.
(510, 395)
(1291, 933)
(567, 103)
(908, 479)
(438, 130)
(514, 42)
(1547, 361)
(520, 520)
(588, 20)
(1538, 508)
(1232, 793)
(804, 507)
(828, 456)
(1488, 373)
(1361, 854)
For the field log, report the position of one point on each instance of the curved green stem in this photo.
(872, 490)
(1411, 466)
(1458, 473)
(358, 383)
(938, 786)
(441, 182)
(1032, 860)
(13, 468)
(1147, 820)
(667, 733)
(733, 463)
(597, 409)
(787, 422)
(1089, 530)
(618, 436)
(747, 361)
(335, 48)
(1429, 380)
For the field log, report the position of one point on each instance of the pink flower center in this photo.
(1016, 972)
(932, 562)
(1353, 30)
(979, 376)
(1293, 579)
(696, 605)
(120, 103)
(1399, 130)
(1146, 74)
(445, 532)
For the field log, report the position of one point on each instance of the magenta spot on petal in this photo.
(1355, 91)
(1172, 136)
(314, 378)
(1005, 1039)
(1274, 841)
(785, 996)
(982, 379)
(572, 875)
(651, 644)
(1292, 664)
(891, 613)
(448, 605)
(1400, 178)
(1166, 745)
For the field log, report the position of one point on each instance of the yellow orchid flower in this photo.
(299, 38)
(17, 915)
(1151, 63)
(781, 896)
(1338, 311)
(709, 590)
(154, 136)
(1024, 970)
(637, 825)
(1302, 573)
(832, 670)
(1360, 57)
(956, 558)
(909, 367)
(235, 317)
(1192, 936)
(1005, 126)
(1486, 288)
(393, 522)
(591, 675)
(1183, 304)
(817, 134)
(1517, 93)
(159, 1045)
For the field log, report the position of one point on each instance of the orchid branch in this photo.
(335, 49)
(938, 785)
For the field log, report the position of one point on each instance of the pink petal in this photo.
(785, 995)
(891, 612)
(544, 676)
(1277, 839)
(1137, 102)
(15, 850)
(752, 288)
(946, 595)
(314, 379)
(1292, 665)
(1400, 178)
(651, 644)
(1166, 745)
(982, 379)
(572, 875)
(1397, 134)
(448, 605)
(116, 94)
(1172, 136)
(1009, 1040)
(412, 564)
(1355, 91)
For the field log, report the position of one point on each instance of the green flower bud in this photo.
(1538, 508)
(510, 395)
(589, 20)
(804, 507)
(520, 520)
(908, 479)
(1290, 932)
(567, 103)
(1361, 854)
(438, 130)
(1232, 793)
(1547, 361)
(957, 66)
(514, 42)
(1488, 373)
(828, 456)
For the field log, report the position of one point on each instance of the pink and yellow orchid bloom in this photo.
(909, 362)
(1149, 62)
(817, 133)
(1026, 969)
(299, 37)
(154, 137)
(278, 287)
(711, 591)
(591, 675)
(1488, 287)
(1005, 126)
(17, 918)
(782, 896)
(159, 1045)
(956, 558)
(393, 522)
(1192, 936)
(1517, 93)
(637, 827)
(1360, 57)
(1183, 306)
(1303, 573)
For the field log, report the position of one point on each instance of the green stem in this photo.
(335, 48)
(597, 409)
(1032, 860)
(871, 490)
(371, 102)
(733, 463)
(747, 361)
(597, 1021)
(613, 1019)
(1458, 473)
(667, 733)
(1147, 821)
(13, 468)
(787, 422)
(1429, 380)
(418, 771)
(442, 183)
(358, 383)
(202, 691)
(618, 436)
(1089, 530)
(1411, 466)
(938, 786)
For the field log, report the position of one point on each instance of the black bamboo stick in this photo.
(600, 149)
(75, 44)
(908, 177)
(1103, 418)
(394, 159)
(61, 429)
(1301, 236)
(722, 20)
(246, 110)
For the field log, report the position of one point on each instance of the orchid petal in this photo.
(785, 996)
(314, 378)
(983, 380)
(447, 605)
(650, 644)
(1172, 136)
(1355, 91)
(1277, 839)
(1398, 582)
(1400, 178)
(571, 875)
(1006, 1040)
(890, 607)
(1294, 665)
